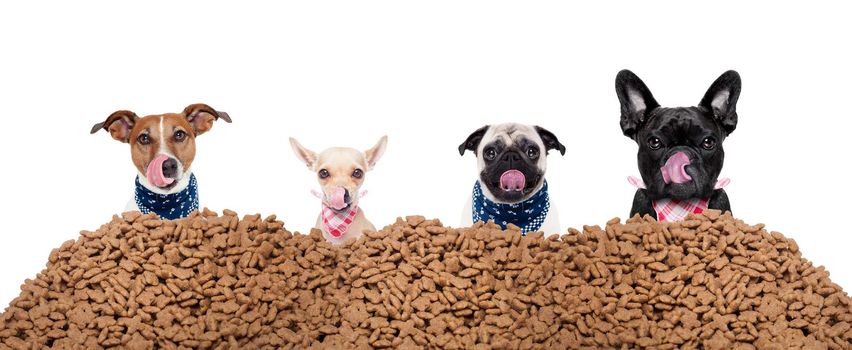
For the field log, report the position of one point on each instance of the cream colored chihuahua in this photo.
(341, 172)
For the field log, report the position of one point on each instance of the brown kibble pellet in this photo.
(213, 282)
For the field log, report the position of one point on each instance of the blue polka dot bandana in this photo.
(528, 215)
(168, 206)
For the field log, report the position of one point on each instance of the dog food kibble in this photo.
(218, 282)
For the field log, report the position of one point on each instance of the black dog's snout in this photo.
(170, 167)
(512, 157)
(346, 198)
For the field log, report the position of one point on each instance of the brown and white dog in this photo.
(162, 148)
(341, 173)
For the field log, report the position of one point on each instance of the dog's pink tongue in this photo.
(675, 169)
(338, 198)
(512, 180)
(155, 172)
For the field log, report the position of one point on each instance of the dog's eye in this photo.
(144, 139)
(357, 173)
(490, 154)
(180, 135)
(532, 152)
(654, 143)
(323, 174)
(708, 143)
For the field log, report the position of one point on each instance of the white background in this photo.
(426, 74)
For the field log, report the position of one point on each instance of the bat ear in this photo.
(118, 124)
(550, 140)
(636, 102)
(202, 116)
(721, 98)
(375, 153)
(472, 141)
(305, 155)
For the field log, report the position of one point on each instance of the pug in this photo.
(511, 188)
(680, 149)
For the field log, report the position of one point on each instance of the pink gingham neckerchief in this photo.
(672, 210)
(336, 223)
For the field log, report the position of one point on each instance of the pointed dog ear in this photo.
(636, 102)
(202, 116)
(472, 141)
(721, 98)
(305, 155)
(373, 154)
(119, 124)
(550, 140)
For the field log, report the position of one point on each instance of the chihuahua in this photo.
(341, 172)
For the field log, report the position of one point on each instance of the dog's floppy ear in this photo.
(721, 99)
(550, 140)
(202, 116)
(636, 102)
(375, 153)
(119, 124)
(305, 155)
(472, 141)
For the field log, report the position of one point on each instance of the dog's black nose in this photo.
(170, 167)
(346, 198)
(511, 157)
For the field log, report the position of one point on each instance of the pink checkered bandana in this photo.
(672, 210)
(336, 223)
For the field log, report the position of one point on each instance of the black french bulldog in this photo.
(680, 149)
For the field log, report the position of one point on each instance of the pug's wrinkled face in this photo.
(512, 159)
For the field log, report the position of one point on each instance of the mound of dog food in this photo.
(218, 282)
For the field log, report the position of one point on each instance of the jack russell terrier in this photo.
(341, 172)
(162, 147)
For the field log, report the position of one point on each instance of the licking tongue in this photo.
(675, 169)
(512, 180)
(337, 199)
(155, 172)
